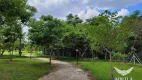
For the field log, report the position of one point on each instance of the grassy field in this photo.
(22, 68)
(101, 69)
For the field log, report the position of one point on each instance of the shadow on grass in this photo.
(14, 56)
(40, 65)
(5, 59)
(73, 59)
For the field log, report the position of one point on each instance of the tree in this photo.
(106, 33)
(73, 20)
(25, 17)
(133, 22)
(46, 32)
(12, 10)
(75, 38)
(9, 35)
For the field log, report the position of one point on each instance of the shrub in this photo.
(118, 56)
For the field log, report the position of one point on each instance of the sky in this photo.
(83, 8)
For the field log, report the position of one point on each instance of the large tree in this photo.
(134, 23)
(46, 32)
(106, 33)
(16, 10)
(9, 34)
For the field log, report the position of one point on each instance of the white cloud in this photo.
(61, 8)
(123, 12)
(88, 13)
(57, 8)
(85, 1)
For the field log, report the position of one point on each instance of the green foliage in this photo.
(13, 15)
(9, 34)
(28, 47)
(47, 31)
(134, 23)
(107, 33)
(73, 20)
(75, 36)
(118, 56)
(13, 9)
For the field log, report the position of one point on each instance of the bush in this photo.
(118, 56)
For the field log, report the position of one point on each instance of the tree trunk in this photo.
(11, 54)
(84, 53)
(20, 43)
(30, 55)
(2, 52)
(20, 52)
(50, 56)
(58, 52)
(69, 54)
(105, 55)
(36, 50)
(77, 57)
(92, 55)
(111, 69)
(44, 51)
(63, 52)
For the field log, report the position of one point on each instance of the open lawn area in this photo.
(22, 68)
(101, 69)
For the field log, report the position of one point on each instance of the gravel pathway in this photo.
(65, 71)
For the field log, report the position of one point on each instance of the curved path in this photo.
(65, 71)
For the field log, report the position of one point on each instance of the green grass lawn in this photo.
(101, 69)
(22, 68)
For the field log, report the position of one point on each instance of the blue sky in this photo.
(138, 6)
(84, 8)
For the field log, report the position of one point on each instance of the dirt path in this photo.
(65, 71)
